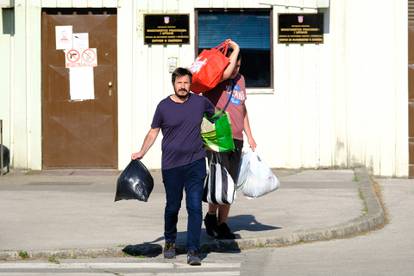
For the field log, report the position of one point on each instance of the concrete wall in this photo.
(340, 103)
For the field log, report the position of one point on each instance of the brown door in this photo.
(79, 134)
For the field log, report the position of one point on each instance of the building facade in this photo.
(341, 102)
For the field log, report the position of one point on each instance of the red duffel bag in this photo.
(208, 68)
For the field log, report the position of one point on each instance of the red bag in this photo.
(208, 68)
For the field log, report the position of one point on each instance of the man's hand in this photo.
(137, 155)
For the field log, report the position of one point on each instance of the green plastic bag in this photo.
(216, 132)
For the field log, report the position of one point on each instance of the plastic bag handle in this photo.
(223, 47)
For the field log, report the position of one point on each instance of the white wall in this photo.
(6, 41)
(376, 85)
(340, 103)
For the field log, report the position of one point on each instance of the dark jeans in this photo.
(191, 178)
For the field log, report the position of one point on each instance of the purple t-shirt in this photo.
(180, 125)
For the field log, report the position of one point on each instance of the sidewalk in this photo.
(73, 214)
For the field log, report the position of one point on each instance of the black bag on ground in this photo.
(135, 182)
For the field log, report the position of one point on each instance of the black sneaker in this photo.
(210, 221)
(169, 250)
(224, 233)
(193, 258)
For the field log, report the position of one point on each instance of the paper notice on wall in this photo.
(63, 37)
(80, 40)
(81, 83)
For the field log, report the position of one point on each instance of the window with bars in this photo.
(251, 29)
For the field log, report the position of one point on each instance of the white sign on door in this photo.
(80, 40)
(63, 37)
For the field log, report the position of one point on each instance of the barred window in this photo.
(251, 29)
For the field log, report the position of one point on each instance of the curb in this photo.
(372, 219)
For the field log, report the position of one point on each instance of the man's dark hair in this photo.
(179, 72)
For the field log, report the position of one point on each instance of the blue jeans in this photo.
(191, 178)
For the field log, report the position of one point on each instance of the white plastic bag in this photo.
(255, 178)
(244, 168)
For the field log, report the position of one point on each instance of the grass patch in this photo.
(365, 207)
(53, 259)
(355, 178)
(23, 254)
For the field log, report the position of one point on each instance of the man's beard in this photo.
(182, 97)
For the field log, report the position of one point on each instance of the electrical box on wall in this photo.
(6, 3)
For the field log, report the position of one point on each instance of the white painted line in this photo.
(56, 273)
(131, 265)
(217, 273)
(209, 265)
(85, 265)
(200, 273)
(113, 265)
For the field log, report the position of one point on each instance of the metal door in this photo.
(79, 134)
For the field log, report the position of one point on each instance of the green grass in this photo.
(53, 259)
(355, 178)
(361, 196)
(23, 254)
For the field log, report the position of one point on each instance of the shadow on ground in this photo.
(236, 223)
(248, 223)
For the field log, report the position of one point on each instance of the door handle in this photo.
(110, 88)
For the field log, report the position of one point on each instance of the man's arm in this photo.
(233, 60)
(146, 145)
(248, 131)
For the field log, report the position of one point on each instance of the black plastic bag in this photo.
(6, 157)
(135, 182)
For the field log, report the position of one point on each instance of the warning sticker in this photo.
(72, 57)
(81, 58)
(89, 57)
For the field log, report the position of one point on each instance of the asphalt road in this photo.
(388, 251)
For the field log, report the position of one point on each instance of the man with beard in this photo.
(183, 164)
